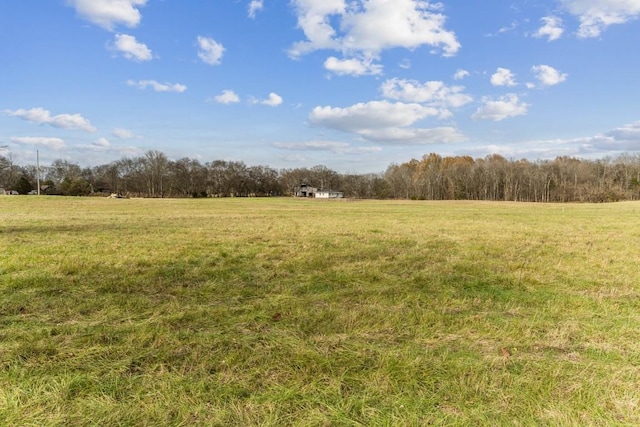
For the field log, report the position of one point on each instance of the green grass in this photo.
(279, 312)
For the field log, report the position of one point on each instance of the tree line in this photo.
(433, 177)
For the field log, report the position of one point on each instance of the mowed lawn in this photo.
(274, 312)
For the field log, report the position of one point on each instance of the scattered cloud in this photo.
(101, 143)
(413, 136)
(552, 28)
(352, 67)
(356, 33)
(363, 29)
(62, 121)
(529, 150)
(371, 115)
(312, 145)
(623, 139)
(434, 93)
(360, 150)
(56, 144)
(332, 146)
(109, 13)
(254, 7)
(500, 109)
(620, 140)
(131, 48)
(503, 77)
(294, 158)
(227, 97)
(627, 134)
(158, 87)
(460, 74)
(379, 24)
(385, 121)
(123, 133)
(210, 51)
(548, 76)
(509, 28)
(272, 101)
(506, 29)
(127, 151)
(596, 15)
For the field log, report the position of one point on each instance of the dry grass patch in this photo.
(296, 312)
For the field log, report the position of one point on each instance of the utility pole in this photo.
(6, 148)
(38, 170)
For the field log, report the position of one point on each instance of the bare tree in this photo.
(155, 165)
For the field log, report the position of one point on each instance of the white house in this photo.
(305, 190)
(329, 194)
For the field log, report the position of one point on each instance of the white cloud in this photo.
(314, 20)
(628, 133)
(621, 140)
(509, 28)
(503, 77)
(500, 109)
(227, 97)
(548, 76)
(360, 150)
(434, 93)
(552, 28)
(371, 115)
(333, 146)
(385, 121)
(353, 66)
(129, 151)
(596, 15)
(295, 158)
(123, 133)
(63, 121)
(273, 101)
(530, 149)
(363, 29)
(460, 74)
(210, 51)
(131, 48)
(254, 7)
(311, 145)
(405, 64)
(109, 13)
(102, 143)
(56, 144)
(411, 136)
(158, 87)
(382, 24)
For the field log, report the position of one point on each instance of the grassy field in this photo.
(277, 312)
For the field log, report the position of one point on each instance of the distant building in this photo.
(329, 194)
(305, 190)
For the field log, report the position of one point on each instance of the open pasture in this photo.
(276, 312)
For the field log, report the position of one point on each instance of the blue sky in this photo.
(354, 85)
